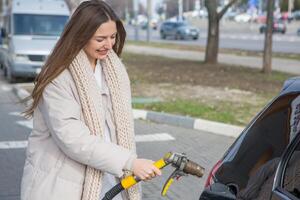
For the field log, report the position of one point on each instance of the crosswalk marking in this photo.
(13, 144)
(5, 88)
(26, 123)
(154, 137)
(138, 138)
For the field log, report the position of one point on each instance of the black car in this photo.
(179, 30)
(264, 161)
(279, 26)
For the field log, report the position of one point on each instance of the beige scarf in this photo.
(119, 87)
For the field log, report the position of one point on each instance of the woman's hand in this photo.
(144, 169)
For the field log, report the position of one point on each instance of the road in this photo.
(204, 148)
(238, 37)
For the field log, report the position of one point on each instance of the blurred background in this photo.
(216, 60)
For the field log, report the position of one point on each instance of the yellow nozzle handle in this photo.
(130, 180)
(166, 186)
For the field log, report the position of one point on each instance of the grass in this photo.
(168, 45)
(224, 111)
(155, 77)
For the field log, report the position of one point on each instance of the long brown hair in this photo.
(84, 22)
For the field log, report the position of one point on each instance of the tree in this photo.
(214, 17)
(267, 58)
(172, 8)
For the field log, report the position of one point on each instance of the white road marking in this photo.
(13, 144)
(26, 123)
(15, 113)
(154, 137)
(138, 138)
(6, 88)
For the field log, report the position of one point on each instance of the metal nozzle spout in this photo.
(193, 169)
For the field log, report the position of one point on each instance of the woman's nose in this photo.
(108, 44)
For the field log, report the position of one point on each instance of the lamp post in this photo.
(149, 17)
(180, 10)
(135, 11)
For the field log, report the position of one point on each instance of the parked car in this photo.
(278, 27)
(178, 30)
(285, 16)
(230, 15)
(243, 17)
(264, 161)
(153, 24)
(296, 15)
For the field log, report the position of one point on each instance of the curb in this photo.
(189, 122)
(170, 119)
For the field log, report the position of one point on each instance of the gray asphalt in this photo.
(288, 43)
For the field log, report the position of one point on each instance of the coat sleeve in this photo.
(61, 112)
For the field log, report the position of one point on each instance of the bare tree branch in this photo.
(223, 11)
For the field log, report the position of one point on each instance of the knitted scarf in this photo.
(119, 87)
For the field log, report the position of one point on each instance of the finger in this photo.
(156, 171)
(142, 177)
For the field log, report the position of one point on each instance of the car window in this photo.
(291, 183)
(180, 24)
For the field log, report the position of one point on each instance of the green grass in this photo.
(226, 112)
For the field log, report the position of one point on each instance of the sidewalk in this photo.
(278, 64)
(165, 118)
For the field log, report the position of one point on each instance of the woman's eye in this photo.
(99, 40)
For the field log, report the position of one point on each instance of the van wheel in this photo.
(5, 72)
(10, 78)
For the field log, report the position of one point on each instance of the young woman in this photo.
(82, 140)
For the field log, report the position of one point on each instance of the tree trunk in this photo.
(267, 59)
(212, 45)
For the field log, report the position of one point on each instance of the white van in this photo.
(31, 29)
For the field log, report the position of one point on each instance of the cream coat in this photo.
(60, 146)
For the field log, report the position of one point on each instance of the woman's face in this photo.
(102, 41)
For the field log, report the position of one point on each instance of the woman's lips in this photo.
(103, 52)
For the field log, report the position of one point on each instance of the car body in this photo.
(231, 14)
(278, 27)
(31, 29)
(286, 16)
(178, 30)
(255, 164)
(153, 24)
(296, 15)
(243, 17)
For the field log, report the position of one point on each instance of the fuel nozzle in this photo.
(183, 166)
(181, 162)
(193, 169)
